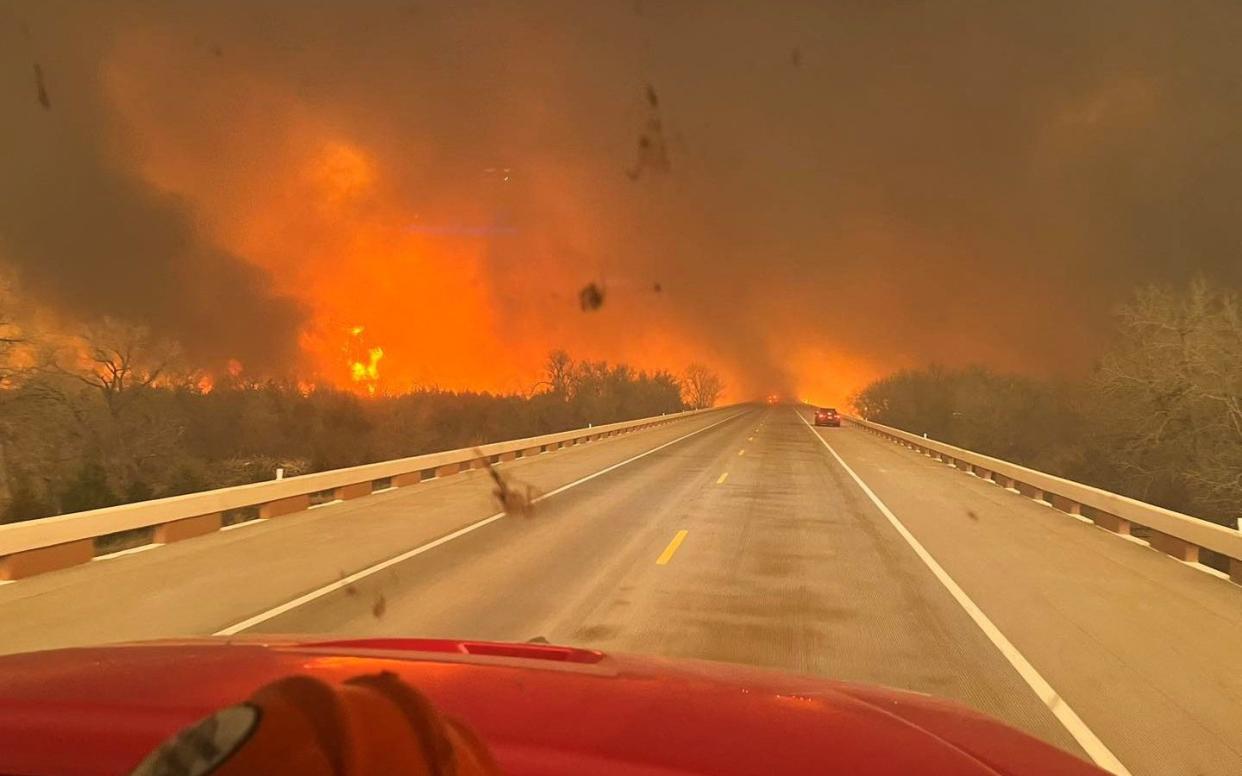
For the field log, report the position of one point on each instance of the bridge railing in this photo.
(35, 546)
(1181, 536)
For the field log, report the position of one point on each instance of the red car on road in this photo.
(539, 709)
(827, 416)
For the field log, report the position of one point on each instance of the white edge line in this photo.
(129, 551)
(1088, 740)
(1205, 569)
(264, 616)
(244, 523)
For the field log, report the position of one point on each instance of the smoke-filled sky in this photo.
(803, 195)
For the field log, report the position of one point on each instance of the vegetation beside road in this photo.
(120, 421)
(1159, 418)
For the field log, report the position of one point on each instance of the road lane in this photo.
(1143, 647)
(201, 585)
(785, 564)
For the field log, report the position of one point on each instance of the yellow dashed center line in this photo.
(723, 477)
(667, 555)
(742, 451)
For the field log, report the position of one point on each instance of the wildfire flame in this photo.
(369, 372)
(364, 371)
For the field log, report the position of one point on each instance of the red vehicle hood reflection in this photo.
(542, 709)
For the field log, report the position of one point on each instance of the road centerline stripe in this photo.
(343, 582)
(722, 478)
(1068, 718)
(667, 555)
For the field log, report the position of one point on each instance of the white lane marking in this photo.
(130, 551)
(1088, 740)
(1205, 569)
(244, 523)
(268, 614)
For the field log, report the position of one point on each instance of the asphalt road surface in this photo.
(743, 535)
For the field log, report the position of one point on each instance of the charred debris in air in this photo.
(514, 498)
(652, 149)
(41, 88)
(591, 297)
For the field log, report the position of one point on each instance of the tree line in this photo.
(1159, 417)
(112, 417)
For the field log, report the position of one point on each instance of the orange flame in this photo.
(367, 373)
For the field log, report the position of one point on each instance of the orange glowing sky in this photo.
(415, 194)
(320, 212)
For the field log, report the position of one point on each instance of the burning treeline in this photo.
(112, 415)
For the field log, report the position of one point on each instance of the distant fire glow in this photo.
(367, 373)
(363, 361)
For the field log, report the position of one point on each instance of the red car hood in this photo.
(543, 710)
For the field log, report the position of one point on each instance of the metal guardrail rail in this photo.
(1173, 533)
(35, 546)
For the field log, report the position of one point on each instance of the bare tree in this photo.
(559, 369)
(702, 387)
(116, 359)
(1171, 394)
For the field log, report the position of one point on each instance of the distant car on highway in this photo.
(827, 416)
(537, 709)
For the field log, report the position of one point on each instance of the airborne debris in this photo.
(44, 100)
(215, 49)
(972, 514)
(657, 287)
(652, 150)
(380, 606)
(796, 57)
(514, 498)
(591, 297)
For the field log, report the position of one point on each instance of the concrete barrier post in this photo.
(407, 478)
(1173, 546)
(356, 490)
(447, 469)
(188, 528)
(59, 556)
(284, 506)
(1111, 522)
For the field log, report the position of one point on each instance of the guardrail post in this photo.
(408, 478)
(188, 528)
(284, 506)
(357, 490)
(58, 556)
(1173, 546)
(1111, 522)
